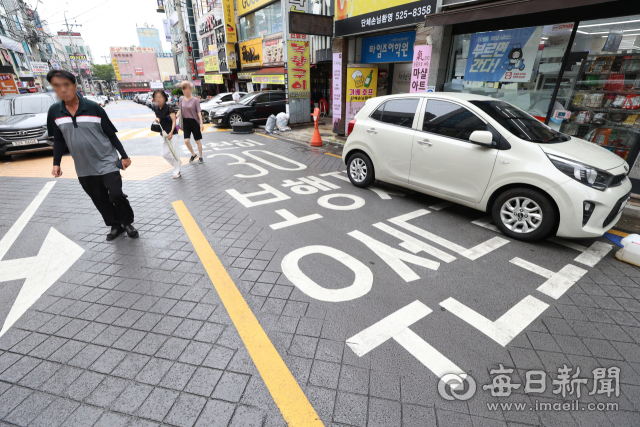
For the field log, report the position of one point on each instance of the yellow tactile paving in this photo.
(127, 134)
(141, 169)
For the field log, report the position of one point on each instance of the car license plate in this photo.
(27, 142)
(623, 205)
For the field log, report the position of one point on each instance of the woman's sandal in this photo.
(177, 176)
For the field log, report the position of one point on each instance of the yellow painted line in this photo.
(618, 233)
(291, 400)
(267, 136)
(334, 155)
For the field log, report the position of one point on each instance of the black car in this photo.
(23, 123)
(254, 107)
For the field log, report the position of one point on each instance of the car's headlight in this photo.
(221, 111)
(587, 175)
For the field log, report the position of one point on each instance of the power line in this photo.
(86, 11)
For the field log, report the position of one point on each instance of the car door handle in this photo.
(425, 142)
(372, 130)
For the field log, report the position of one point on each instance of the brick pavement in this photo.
(135, 335)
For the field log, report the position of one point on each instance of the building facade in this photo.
(138, 68)
(183, 58)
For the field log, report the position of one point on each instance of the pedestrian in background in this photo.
(84, 127)
(235, 96)
(189, 111)
(167, 120)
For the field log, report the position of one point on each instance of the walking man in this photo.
(84, 127)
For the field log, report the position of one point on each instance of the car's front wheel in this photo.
(524, 214)
(235, 118)
(360, 170)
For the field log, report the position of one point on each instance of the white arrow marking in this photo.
(56, 255)
(16, 228)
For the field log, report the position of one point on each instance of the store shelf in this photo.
(604, 110)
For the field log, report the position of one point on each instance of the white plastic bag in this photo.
(271, 124)
(281, 121)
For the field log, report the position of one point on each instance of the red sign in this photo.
(200, 67)
(8, 84)
(193, 71)
(139, 70)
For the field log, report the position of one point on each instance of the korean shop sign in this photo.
(77, 57)
(274, 79)
(8, 85)
(200, 67)
(251, 53)
(503, 56)
(214, 79)
(362, 84)
(211, 62)
(420, 68)
(116, 69)
(229, 21)
(363, 16)
(389, 48)
(272, 50)
(39, 68)
(246, 6)
(298, 69)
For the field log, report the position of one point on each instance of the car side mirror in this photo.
(483, 138)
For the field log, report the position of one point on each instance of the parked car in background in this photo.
(489, 155)
(216, 101)
(23, 123)
(95, 99)
(255, 107)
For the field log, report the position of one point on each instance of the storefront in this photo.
(576, 69)
(132, 88)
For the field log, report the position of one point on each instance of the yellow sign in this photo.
(362, 83)
(231, 56)
(350, 8)
(246, 6)
(214, 78)
(251, 53)
(211, 63)
(229, 21)
(298, 69)
(273, 79)
(116, 69)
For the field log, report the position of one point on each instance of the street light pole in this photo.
(71, 46)
(183, 40)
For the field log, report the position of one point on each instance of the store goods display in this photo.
(603, 103)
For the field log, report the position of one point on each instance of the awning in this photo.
(136, 89)
(269, 76)
(508, 14)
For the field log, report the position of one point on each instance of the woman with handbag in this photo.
(190, 117)
(165, 123)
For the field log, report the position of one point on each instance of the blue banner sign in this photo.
(391, 48)
(502, 56)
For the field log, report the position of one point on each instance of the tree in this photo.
(103, 72)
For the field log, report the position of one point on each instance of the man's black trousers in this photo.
(106, 193)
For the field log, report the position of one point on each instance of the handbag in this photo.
(155, 127)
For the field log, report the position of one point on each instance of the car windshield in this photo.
(519, 123)
(248, 98)
(25, 105)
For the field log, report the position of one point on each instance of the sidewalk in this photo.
(304, 132)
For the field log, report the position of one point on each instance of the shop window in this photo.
(450, 120)
(398, 112)
(261, 23)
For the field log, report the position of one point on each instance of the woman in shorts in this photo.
(189, 109)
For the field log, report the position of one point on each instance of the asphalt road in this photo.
(379, 301)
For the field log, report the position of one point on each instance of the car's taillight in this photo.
(352, 123)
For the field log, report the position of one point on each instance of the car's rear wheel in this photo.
(235, 118)
(360, 170)
(524, 214)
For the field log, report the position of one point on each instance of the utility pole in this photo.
(71, 47)
(183, 40)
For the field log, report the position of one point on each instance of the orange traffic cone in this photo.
(316, 139)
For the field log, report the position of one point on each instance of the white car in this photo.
(489, 155)
(95, 99)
